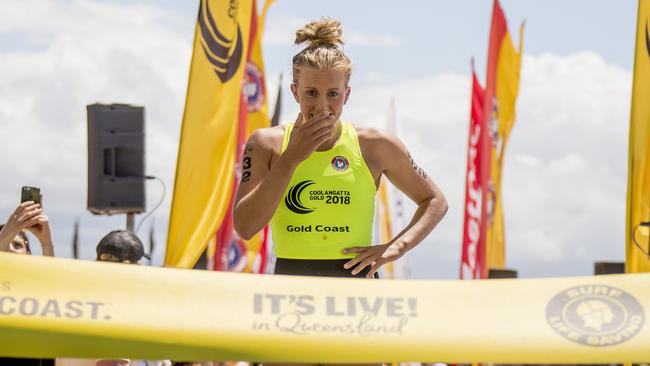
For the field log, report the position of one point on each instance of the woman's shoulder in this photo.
(268, 135)
(268, 138)
(375, 137)
(379, 145)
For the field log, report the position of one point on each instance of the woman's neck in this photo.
(330, 142)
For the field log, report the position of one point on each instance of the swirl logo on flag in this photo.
(253, 87)
(224, 53)
(595, 315)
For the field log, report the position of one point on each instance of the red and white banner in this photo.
(492, 118)
(232, 253)
(473, 250)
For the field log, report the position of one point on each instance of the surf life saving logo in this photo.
(340, 164)
(595, 315)
(292, 200)
(223, 51)
(253, 87)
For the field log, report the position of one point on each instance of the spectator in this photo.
(116, 362)
(120, 246)
(28, 216)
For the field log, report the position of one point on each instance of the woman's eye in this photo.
(334, 94)
(311, 93)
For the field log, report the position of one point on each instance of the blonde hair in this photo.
(322, 52)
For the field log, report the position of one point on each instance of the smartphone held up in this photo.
(30, 194)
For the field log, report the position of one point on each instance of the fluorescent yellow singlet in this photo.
(328, 204)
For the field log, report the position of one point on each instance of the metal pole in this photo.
(130, 221)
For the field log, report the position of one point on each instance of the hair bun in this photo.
(323, 32)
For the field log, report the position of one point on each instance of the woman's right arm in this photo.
(262, 185)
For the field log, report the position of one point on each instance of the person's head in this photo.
(20, 244)
(113, 362)
(321, 71)
(120, 246)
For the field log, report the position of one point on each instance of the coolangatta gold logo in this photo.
(224, 51)
(317, 197)
(595, 315)
(292, 200)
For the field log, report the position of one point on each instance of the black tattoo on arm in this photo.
(247, 164)
(419, 170)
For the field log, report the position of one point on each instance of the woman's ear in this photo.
(294, 91)
(347, 94)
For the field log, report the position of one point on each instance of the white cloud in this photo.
(282, 33)
(361, 39)
(565, 169)
(95, 52)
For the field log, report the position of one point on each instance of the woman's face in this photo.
(19, 245)
(321, 90)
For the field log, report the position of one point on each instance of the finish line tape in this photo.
(51, 307)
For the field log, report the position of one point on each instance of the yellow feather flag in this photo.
(206, 155)
(384, 223)
(265, 10)
(507, 89)
(502, 118)
(383, 217)
(255, 81)
(638, 185)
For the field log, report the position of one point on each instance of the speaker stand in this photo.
(130, 221)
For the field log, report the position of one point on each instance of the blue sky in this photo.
(566, 166)
(443, 35)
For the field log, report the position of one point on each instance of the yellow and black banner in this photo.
(638, 186)
(59, 307)
(206, 153)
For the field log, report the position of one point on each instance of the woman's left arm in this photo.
(400, 168)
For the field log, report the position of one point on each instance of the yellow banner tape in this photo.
(60, 307)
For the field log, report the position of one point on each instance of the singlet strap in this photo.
(285, 138)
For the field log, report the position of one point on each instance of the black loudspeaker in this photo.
(605, 268)
(502, 273)
(115, 159)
